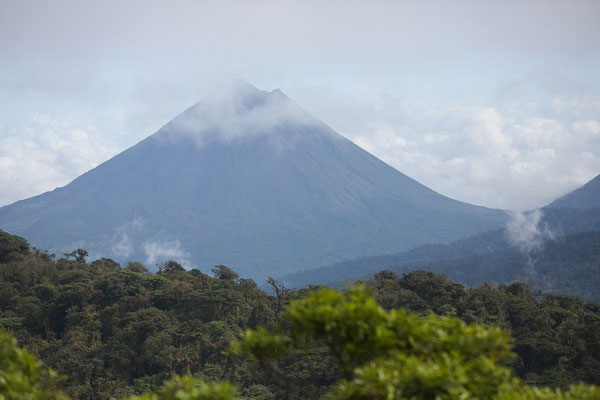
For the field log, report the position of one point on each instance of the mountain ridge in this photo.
(587, 196)
(553, 224)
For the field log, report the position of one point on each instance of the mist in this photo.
(123, 245)
(527, 230)
(159, 252)
(236, 111)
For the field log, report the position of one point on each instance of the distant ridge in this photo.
(560, 221)
(249, 179)
(587, 196)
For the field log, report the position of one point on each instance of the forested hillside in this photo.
(457, 259)
(118, 331)
(555, 336)
(566, 265)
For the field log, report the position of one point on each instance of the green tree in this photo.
(79, 255)
(397, 355)
(170, 266)
(225, 273)
(22, 377)
(12, 247)
(137, 267)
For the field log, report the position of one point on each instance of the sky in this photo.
(496, 103)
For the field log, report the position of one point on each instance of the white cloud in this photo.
(485, 129)
(511, 155)
(587, 127)
(237, 110)
(158, 252)
(45, 154)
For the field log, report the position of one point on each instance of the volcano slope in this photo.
(249, 179)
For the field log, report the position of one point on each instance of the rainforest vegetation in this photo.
(115, 331)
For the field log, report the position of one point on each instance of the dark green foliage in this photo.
(225, 273)
(395, 355)
(137, 267)
(12, 247)
(188, 388)
(117, 332)
(553, 334)
(79, 255)
(169, 267)
(22, 376)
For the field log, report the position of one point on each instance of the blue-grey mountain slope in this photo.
(587, 196)
(249, 179)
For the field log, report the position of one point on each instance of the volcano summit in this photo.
(249, 179)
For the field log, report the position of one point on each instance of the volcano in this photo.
(249, 179)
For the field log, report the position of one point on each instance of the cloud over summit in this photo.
(237, 111)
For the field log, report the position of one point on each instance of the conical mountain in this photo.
(248, 179)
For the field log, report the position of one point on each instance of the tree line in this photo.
(117, 332)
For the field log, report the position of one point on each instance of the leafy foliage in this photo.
(12, 247)
(188, 388)
(553, 335)
(21, 376)
(117, 332)
(397, 355)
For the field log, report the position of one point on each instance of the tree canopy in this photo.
(398, 355)
(117, 332)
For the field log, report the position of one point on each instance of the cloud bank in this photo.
(47, 153)
(510, 154)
